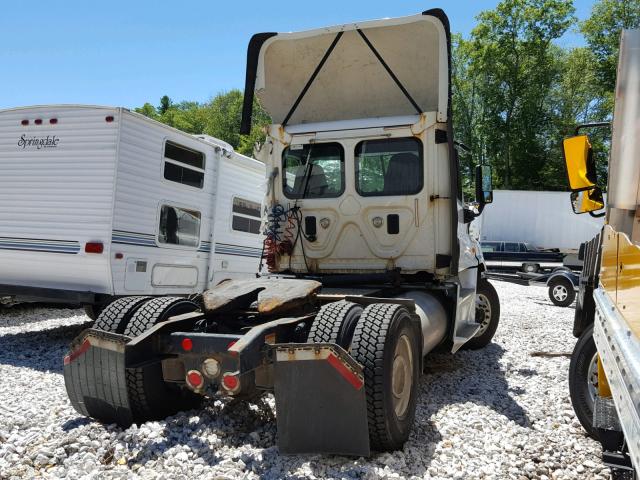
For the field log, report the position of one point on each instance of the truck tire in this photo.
(388, 345)
(487, 315)
(530, 267)
(115, 317)
(561, 292)
(583, 380)
(335, 323)
(151, 398)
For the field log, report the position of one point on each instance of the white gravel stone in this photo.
(491, 413)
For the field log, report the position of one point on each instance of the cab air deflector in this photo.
(326, 57)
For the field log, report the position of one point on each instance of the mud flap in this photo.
(95, 376)
(320, 401)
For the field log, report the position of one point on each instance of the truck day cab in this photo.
(367, 246)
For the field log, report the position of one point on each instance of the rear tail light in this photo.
(94, 247)
(230, 382)
(195, 379)
(187, 344)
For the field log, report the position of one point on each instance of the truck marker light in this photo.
(346, 372)
(211, 367)
(119, 256)
(108, 118)
(38, 121)
(77, 352)
(53, 121)
(195, 379)
(230, 382)
(94, 247)
(187, 344)
(24, 123)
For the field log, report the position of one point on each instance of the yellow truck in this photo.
(604, 374)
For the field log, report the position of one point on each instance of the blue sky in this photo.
(126, 53)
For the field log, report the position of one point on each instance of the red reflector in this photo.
(346, 372)
(187, 344)
(38, 121)
(194, 378)
(108, 118)
(231, 344)
(53, 121)
(230, 382)
(77, 352)
(119, 256)
(94, 247)
(25, 122)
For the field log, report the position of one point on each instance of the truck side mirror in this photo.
(585, 201)
(578, 158)
(484, 188)
(586, 196)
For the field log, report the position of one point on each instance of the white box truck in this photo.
(101, 202)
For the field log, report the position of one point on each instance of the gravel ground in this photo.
(493, 413)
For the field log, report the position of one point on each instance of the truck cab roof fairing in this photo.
(369, 69)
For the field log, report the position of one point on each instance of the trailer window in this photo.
(392, 166)
(183, 165)
(313, 170)
(246, 216)
(179, 226)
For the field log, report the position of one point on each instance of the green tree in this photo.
(165, 104)
(602, 32)
(505, 74)
(220, 117)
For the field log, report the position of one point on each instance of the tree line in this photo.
(516, 92)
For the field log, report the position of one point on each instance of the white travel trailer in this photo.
(97, 202)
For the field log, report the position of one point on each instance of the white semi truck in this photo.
(368, 262)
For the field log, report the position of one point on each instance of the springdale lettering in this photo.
(50, 141)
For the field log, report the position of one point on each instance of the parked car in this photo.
(520, 256)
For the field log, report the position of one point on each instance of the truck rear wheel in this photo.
(388, 346)
(561, 292)
(115, 317)
(335, 323)
(487, 315)
(583, 379)
(149, 395)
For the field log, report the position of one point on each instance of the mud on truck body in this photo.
(604, 374)
(368, 262)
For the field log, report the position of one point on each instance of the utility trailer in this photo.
(101, 202)
(604, 374)
(368, 260)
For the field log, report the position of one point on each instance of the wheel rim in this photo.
(483, 313)
(529, 268)
(402, 375)
(592, 379)
(560, 293)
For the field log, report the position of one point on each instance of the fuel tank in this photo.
(433, 317)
